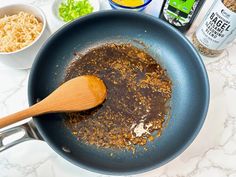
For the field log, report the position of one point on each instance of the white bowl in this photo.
(23, 58)
(55, 6)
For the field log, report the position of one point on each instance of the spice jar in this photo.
(181, 13)
(217, 30)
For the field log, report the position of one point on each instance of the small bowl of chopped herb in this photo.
(69, 10)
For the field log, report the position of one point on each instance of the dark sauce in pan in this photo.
(138, 90)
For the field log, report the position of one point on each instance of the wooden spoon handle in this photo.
(21, 115)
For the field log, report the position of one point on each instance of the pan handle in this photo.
(29, 130)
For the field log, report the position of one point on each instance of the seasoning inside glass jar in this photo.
(217, 30)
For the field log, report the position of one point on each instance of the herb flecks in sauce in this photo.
(138, 90)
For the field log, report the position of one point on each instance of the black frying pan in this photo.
(175, 53)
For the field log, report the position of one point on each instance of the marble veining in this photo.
(213, 152)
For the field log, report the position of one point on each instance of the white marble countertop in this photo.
(213, 152)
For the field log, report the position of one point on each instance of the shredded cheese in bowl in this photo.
(18, 31)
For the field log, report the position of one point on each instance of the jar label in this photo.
(179, 12)
(218, 28)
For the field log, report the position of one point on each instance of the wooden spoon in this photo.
(78, 94)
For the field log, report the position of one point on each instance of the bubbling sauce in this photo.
(138, 91)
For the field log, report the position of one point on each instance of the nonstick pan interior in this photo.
(189, 101)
